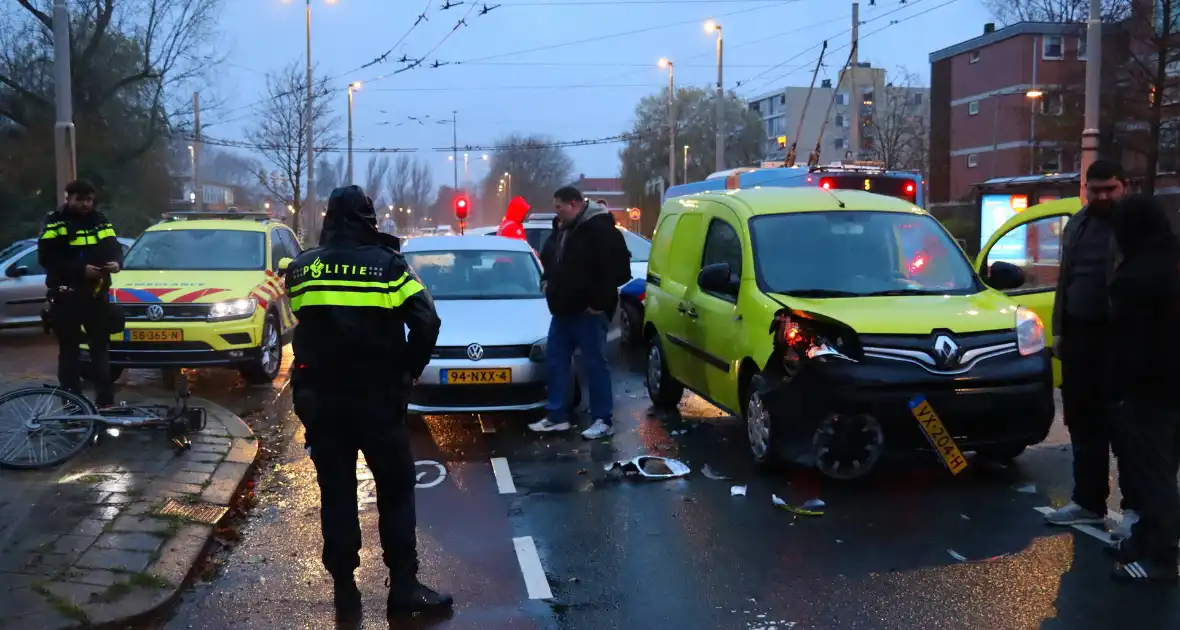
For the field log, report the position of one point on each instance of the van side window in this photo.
(722, 245)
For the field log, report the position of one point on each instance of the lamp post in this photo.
(667, 63)
(1093, 85)
(719, 160)
(63, 130)
(508, 176)
(352, 87)
(686, 163)
(1032, 94)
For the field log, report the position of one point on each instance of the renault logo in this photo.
(946, 351)
(155, 312)
(475, 352)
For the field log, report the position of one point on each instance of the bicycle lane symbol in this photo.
(428, 474)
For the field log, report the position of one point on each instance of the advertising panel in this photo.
(995, 209)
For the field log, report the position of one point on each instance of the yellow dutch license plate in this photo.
(477, 377)
(939, 437)
(156, 334)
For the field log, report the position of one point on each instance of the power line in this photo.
(527, 146)
(487, 88)
(598, 3)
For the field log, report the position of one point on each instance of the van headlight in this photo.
(233, 309)
(1030, 332)
(538, 351)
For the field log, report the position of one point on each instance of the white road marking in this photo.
(530, 567)
(1085, 529)
(503, 476)
(485, 424)
(442, 473)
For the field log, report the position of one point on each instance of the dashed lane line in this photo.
(503, 475)
(1089, 529)
(530, 567)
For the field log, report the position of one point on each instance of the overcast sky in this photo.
(571, 69)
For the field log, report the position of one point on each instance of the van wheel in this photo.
(662, 389)
(266, 367)
(631, 324)
(760, 426)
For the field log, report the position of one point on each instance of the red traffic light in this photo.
(909, 189)
(462, 207)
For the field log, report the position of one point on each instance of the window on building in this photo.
(782, 99)
(1052, 47)
(756, 106)
(866, 143)
(839, 120)
(1169, 156)
(838, 143)
(973, 57)
(1053, 104)
(916, 98)
(1050, 160)
(972, 108)
(867, 97)
(972, 160)
(841, 98)
(1082, 47)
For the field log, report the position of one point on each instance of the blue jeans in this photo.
(585, 332)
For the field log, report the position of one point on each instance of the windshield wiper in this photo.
(904, 292)
(819, 293)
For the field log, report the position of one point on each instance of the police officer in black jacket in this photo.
(354, 364)
(1144, 378)
(79, 252)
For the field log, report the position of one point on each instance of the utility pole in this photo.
(198, 189)
(720, 111)
(854, 95)
(63, 129)
(1093, 85)
(310, 207)
(455, 145)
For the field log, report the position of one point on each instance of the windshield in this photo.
(478, 274)
(639, 247)
(855, 254)
(198, 250)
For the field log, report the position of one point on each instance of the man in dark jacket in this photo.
(1144, 378)
(586, 261)
(355, 296)
(79, 252)
(1081, 329)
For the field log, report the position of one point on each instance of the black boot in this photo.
(347, 598)
(411, 596)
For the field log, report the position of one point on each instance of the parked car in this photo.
(22, 286)
(831, 322)
(490, 354)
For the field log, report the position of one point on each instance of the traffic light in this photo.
(462, 206)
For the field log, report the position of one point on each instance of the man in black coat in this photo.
(1144, 378)
(586, 261)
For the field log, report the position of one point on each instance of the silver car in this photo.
(490, 354)
(22, 285)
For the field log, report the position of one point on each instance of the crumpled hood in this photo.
(914, 314)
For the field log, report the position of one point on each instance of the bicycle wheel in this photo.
(27, 441)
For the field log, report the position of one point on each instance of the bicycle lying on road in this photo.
(43, 426)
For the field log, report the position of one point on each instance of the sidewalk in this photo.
(85, 544)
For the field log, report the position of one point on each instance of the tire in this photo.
(81, 433)
(631, 324)
(761, 434)
(266, 368)
(662, 389)
(1002, 452)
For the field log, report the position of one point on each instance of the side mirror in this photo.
(1005, 276)
(17, 271)
(284, 263)
(715, 278)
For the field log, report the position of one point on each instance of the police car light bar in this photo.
(178, 216)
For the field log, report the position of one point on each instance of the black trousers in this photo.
(339, 424)
(1086, 401)
(1149, 436)
(77, 319)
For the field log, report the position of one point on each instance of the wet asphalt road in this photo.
(682, 554)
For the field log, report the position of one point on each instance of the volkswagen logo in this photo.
(155, 312)
(475, 352)
(946, 351)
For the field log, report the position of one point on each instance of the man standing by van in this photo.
(586, 260)
(1089, 256)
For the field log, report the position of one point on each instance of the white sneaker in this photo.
(1123, 529)
(599, 429)
(548, 426)
(1074, 514)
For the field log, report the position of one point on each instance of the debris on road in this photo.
(737, 491)
(1028, 488)
(804, 511)
(712, 474)
(650, 467)
(964, 517)
(678, 432)
(813, 504)
(956, 555)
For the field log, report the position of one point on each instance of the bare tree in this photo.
(537, 167)
(900, 124)
(409, 186)
(1055, 11)
(281, 133)
(375, 177)
(329, 174)
(421, 186)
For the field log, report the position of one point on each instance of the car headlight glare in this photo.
(1030, 332)
(538, 351)
(233, 309)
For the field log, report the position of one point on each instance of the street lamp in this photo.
(352, 87)
(508, 176)
(667, 63)
(686, 163)
(719, 159)
(1031, 94)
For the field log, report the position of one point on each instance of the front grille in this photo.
(489, 352)
(935, 356)
(172, 312)
(477, 395)
(925, 343)
(146, 346)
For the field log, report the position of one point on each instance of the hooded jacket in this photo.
(585, 262)
(355, 297)
(513, 224)
(1145, 303)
